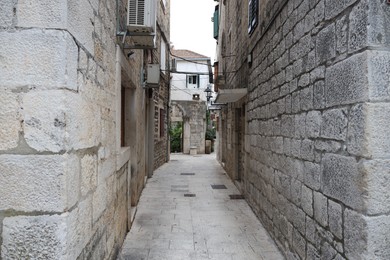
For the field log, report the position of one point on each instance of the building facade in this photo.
(79, 126)
(308, 144)
(190, 78)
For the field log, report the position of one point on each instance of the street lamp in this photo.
(208, 92)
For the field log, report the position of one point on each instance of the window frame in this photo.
(192, 76)
(253, 15)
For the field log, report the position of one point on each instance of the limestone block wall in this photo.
(318, 116)
(161, 96)
(64, 192)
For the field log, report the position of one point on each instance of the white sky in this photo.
(191, 26)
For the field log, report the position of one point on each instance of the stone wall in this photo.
(65, 181)
(192, 114)
(161, 95)
(317, 133)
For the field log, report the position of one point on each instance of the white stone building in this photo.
(190, 78)
(79, 132)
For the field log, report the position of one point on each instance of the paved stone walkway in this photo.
(170, 224)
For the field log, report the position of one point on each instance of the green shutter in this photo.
(216, 22)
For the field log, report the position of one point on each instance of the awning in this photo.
(230, 95)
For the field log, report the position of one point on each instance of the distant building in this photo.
(190, 78)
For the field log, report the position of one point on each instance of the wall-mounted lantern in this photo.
(208, 92)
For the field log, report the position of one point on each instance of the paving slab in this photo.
(185, 212)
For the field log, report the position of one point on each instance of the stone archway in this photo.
(192, 115)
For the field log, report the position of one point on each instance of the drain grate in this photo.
(179, 188)
(187, 173)
(236, 197)
(218, 186)
(189, 195)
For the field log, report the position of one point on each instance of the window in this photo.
(123, 118)
(216, 22)
(253, 10)
(163, 56)
(192, 81)
(162, 123)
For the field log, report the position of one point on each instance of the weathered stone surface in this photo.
(299, 125)
(41, 58)
(326, 44)
(378, 75)
(312, 175)
(334, 124)
(38, 182)
(377, 174)
(356, 138)
(6, 13)
(366, 237)
(20, 237)
(341, 180)
(327, 146)
(319, 95)
(9, 118)
(99, 202)
(311, 232)
(306, 97)
(60, 120)
(342, 35)
(358, 27)
(88, 173)
(346, 82)
(296, 191)
(299, 244)
(327, 252)
(378, 31)
(333, 8)
(312, 253)
(320, 209)
(335, 218)
(378, 130)
(79, 227)
(44, 14)
(307, 200)
(307, 150)
(80, 15)
(313, 124)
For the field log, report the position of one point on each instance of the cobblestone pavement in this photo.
(182, 216)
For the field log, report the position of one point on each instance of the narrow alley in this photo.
(186, 212)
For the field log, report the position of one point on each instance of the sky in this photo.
(191, 26)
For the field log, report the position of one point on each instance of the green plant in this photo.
(176, 132)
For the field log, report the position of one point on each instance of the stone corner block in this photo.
(377, 129)
(41, 58)
(342, 180)
(346, 82)
(43, 14)
(377, 174)
(38, 182)
(366, 237)
(59, 120)
(34, 237)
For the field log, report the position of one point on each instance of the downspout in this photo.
(168, 106)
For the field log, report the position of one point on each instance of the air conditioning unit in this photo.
(141, 16)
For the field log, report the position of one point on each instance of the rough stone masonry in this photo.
(64, 178)
(318, 124)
